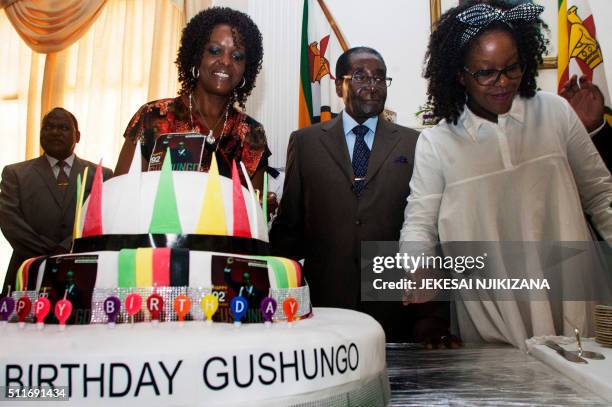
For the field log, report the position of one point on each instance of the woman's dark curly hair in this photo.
(196, 35)
(445, 57)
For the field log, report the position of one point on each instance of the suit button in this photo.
(358, 222)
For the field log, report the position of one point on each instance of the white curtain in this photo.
(274, 101)
(51, 25)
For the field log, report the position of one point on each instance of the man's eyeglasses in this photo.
(362, 80)
(489, 77)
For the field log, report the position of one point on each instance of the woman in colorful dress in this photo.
(218, 61)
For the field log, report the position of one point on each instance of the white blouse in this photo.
(526, 178)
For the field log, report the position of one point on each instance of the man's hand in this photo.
(587, 101)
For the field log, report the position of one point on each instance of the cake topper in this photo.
(112, 307)
(24, 305)
(182, 305)
(155, 305)
(209, 304)
(238, 306)
(290, 307)
(133, 302)
(42, 307)
(7, 306)
(63, 309)
(268, 308)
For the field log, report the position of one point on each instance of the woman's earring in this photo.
(243, 83)
(195, 73)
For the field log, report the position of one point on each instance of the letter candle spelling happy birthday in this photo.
(7, 306)
(238, 307)
(63, 309)
(290, 307)
(268, 308)
(112, 307)
(209, 305)
(182, 305)
(133, 302)
(42, 307)
(24, 305)
(155, 305)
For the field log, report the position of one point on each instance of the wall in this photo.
(399, 29)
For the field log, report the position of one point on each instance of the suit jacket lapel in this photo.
(335, 143)
(43, 168)
(385, 140)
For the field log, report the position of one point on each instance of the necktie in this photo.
(361, 156)
(62, 178)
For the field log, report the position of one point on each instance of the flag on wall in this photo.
(579, 50)
(319, 49)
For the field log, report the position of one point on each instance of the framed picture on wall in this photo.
(437, 7)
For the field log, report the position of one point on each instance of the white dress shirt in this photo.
(67, 167)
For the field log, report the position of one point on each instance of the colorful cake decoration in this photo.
(63, 310)
(238, 307)
(212, 215)
(93, 216)
(42, 307)
(209, 304)
(112, 307)
(182, 306)
(155, 305)
(7, 306)
(264, 197)
(78, 208)
(24, 305)
(290, 307)
(268, 308)
(242, 227)
(253, 203)
(133, 303)
(165, 218)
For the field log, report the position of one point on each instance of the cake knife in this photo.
(566, 354)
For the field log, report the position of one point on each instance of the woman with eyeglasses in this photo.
(506, 162)
(218, 61)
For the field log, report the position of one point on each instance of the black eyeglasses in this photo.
(360, 79)
(489, 77)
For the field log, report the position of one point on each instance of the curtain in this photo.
(52, 25)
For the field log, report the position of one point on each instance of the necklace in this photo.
(210, 138)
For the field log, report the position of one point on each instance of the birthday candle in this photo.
(42, 307)
(209, 304)
(63, 309)
(238, 307)
(290, 307)
(7, 306)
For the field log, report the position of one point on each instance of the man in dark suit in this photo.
(588, 102)
(346, 182)
(38, 196)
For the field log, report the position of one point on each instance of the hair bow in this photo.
(481, 15)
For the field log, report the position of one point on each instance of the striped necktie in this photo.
(361, 156)
(62, 178)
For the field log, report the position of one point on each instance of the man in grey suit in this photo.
(347, 181)
(38, 196)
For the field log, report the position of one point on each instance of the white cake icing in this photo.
(343, 353)
(128, 200)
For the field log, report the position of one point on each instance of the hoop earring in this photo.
(195, 73)
(243, 83)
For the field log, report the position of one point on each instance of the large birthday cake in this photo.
(155, 254)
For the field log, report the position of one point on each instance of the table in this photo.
(478, 376)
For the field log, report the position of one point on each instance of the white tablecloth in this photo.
(595, 375)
